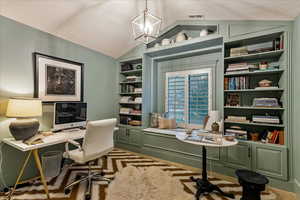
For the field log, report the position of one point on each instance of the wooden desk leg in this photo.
(39, 166)
(20, 174)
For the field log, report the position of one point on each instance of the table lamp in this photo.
(25, 110)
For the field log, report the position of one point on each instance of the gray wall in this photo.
(296, 104)
(17, 43)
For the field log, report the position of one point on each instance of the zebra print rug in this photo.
(116, 160)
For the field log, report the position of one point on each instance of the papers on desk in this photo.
(210, 139)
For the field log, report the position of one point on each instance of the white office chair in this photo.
(97, 142)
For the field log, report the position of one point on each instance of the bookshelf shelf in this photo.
(130, 114)
(131, 93)
(255, 124)
(136, 71)
(130, 103)
(257, 90)
(252, 108)
(275, 71)
(255, 56)
(132, 82)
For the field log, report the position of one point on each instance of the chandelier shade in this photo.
(146, 26)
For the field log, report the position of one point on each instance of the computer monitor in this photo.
(69, 115)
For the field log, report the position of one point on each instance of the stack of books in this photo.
(241, 67)
(238, 51)
(265, 102)
(236, 83)
(237, 133)
(274, 137)
(261, 47)
(266, 119)
(242, 119)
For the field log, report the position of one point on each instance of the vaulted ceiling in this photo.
(104, 25)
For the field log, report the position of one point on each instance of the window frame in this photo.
(186, 74)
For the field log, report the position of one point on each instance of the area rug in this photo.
(115, 162)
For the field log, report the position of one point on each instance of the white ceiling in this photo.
(104, 25)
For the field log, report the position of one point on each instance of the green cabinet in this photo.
(270, 160)
(128, 138)
(238, 156)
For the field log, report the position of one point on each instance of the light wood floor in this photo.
(281, 194)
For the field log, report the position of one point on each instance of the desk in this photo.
(56, 138)
(203, 185)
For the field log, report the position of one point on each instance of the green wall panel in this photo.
(296, 100)
(17, 43)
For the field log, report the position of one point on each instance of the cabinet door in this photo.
(134, 137)
(270, 160)
(238, 156)
(122, 135)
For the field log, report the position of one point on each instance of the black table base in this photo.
(203, 185)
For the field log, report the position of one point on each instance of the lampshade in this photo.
(24, 108)
(146, 26)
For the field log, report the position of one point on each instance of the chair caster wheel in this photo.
(87, 197)
(102, 173)
(67, 191)
(6, 189)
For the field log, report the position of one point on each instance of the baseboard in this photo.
(297, 188)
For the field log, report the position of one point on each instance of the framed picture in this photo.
(57, 79)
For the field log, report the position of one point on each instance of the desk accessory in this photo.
(25, 110)
(214, 116)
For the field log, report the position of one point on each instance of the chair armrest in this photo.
(73, 143)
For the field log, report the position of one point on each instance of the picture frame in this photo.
(57, 79)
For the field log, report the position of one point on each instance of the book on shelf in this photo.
(267, 88)
(265, 102)
(275, 137)
(266, 119)
(236, 83)
(241, 119)
(275, 44)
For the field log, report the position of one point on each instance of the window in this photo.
(188, 95)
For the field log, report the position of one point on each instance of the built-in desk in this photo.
(56, 138)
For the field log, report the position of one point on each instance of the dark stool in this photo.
(253, 184)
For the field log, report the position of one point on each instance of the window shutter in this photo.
(176, 97)
(198, 98)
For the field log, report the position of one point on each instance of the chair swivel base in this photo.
(96, 176)
(205, 187)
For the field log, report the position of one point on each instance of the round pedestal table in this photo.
(202, 184)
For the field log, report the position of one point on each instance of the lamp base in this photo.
(23, 129)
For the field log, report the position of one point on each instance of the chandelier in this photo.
(146, 26)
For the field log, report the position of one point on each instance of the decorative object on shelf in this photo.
(263, 65)
(254, 136)
(25, 110)
(57, 79)
(229, 138)
(154, 119)
(214, 116)
(265, 83)
(265, 102)
(138, 67)
(146, 26)
(181, 37)
(135, 123)
(165, 42)
(204, 32)
(233, 99)
(126, 67)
